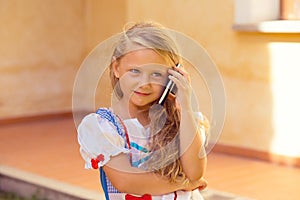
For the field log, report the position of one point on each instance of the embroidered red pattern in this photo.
(94, 162)
(144, 197)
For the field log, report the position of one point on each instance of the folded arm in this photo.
(132, 180)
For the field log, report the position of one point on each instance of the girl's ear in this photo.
(115, 68)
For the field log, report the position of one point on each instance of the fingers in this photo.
(180, 74)
(180, 77)
(200, 184)
(203, 184)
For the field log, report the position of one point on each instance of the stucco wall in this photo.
(41, 45)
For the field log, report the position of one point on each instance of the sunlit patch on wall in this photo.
(285, 77)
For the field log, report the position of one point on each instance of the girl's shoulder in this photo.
(107, 115)
(100, 133)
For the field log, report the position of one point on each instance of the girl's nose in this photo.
(144, 81)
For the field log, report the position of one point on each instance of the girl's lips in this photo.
(141, 93)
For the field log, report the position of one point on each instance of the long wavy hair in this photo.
(164, 143)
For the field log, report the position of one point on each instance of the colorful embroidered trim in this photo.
(138, 147)
(137, 163)
(115, 120)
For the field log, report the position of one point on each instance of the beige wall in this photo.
(43, 44)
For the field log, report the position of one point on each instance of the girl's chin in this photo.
(142, 104)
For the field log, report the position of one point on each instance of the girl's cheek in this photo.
(158, 88)
(128, 85)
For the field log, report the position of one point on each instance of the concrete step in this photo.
(27, 185)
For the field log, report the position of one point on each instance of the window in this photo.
(267, 16)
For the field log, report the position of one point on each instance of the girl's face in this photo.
(142, 74)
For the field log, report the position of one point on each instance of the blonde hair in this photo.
(165, 144)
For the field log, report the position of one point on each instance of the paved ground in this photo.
(48, 150)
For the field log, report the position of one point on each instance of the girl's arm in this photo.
(192, 151)
(192, 146)
(132, 180)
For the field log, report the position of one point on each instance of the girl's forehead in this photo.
(154, 67)
(143, 57)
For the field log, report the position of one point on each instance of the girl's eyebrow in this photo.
(132, 65)
(155, 66)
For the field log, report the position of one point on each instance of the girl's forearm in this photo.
(192, 149)
(141, 183)
(132, 180)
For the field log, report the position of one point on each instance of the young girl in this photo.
(146, 150)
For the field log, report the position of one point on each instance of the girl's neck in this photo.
(127, 110)
(141, 115)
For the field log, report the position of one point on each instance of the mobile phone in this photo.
(170, 87)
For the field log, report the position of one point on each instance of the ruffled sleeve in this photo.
(99, 140)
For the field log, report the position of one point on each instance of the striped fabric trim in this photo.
(137, 163)
(138, 147)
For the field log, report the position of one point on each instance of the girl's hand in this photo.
(200, 184)
(184, 90)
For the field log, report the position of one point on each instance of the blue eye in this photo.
(156, 74)
(135, 71)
